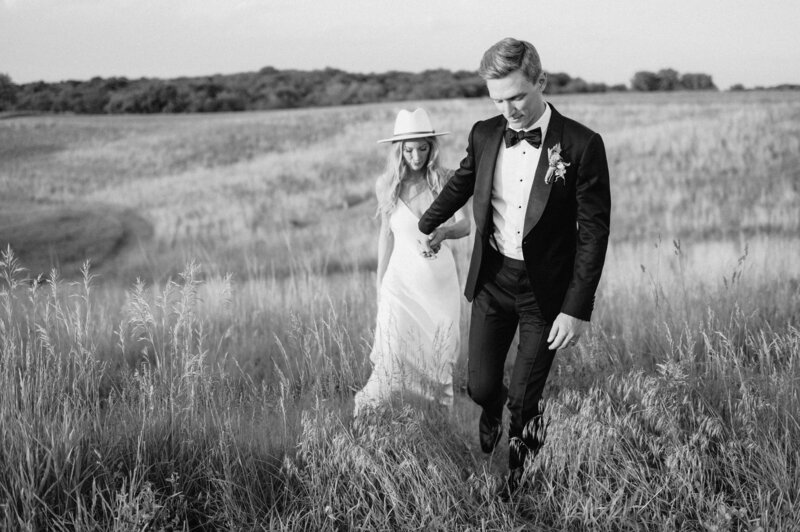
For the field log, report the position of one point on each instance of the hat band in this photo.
(431, 132)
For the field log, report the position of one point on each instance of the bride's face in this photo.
(416, 153)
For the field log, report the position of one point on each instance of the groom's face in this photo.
(519, 99)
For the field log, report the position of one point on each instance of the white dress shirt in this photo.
(511, 189)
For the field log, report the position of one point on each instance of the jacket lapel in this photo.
(485, 175)
(540, 192)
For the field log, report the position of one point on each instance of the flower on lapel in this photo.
(557, 165)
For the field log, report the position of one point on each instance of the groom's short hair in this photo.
(509, 55)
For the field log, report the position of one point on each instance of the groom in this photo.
(541, 206)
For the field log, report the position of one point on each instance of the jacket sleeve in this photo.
(454, 194)
(593, 197)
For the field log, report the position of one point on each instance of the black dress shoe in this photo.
(489, 430)
(512, 484)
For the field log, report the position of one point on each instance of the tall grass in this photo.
(689, 424)
(169, 443)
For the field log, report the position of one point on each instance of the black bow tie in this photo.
(534, 137)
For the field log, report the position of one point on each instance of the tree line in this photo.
(270, 88)
(668, 79)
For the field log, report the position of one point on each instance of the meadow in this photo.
(187, 302)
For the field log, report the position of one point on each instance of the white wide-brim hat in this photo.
(416, 125)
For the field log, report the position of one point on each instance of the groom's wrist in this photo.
(424, 226)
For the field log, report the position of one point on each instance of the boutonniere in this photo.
(558, 166)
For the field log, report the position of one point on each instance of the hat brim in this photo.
(409, 136)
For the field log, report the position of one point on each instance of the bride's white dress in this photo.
(417, 331)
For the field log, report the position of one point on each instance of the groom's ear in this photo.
(543, 80)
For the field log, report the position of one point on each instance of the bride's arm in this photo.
(385, 247)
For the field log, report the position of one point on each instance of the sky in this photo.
(752, 42)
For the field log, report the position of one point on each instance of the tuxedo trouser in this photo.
(503, 302)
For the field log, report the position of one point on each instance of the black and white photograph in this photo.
(293, 265)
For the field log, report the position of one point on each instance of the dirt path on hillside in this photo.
(46, 236)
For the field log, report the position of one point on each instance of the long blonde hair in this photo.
(388, 186)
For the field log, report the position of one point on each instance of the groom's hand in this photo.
(436, 238)
(566, 331)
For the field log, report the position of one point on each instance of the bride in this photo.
(419, 301)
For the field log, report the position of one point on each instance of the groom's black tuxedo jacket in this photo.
(566, 223)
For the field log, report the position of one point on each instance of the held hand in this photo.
(566, 331)
(424, 248)
(436, 238)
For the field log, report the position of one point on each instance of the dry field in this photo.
(199, 374)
